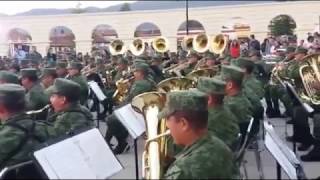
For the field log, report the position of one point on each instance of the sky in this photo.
(13, 7)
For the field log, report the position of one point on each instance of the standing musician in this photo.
(204, 156)
(74, 69)
(115, 129)
(68, 114)
(221, 121)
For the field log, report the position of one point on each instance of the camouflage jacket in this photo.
(36, 97)
(240, 106)
(138, 87)
(253, 83)
(84, 89)
(16, 145)
(74, 118)
(207, 158)
(223, 124)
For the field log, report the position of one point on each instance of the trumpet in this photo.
(39, 111)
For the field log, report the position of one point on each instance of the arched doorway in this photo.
(18, 39)
(147, 30)
(102, 35)
(194, 28)
(62, 42)
(236, 28)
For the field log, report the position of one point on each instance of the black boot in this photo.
(121, 147)
(313, 155)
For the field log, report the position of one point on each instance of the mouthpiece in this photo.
(38, 111)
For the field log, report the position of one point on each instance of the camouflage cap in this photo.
(24, 62)
(65, 87)
(123, 61)
(9, 77)
(184, 100)
(48, 72)
(34, 62)
(75, 65)
(291, 49)
(253, 52)
(210, 55)
(62, 65)
(9, 91)
(28, 72)
(193, 53)
(232, 72)
(138, 60)
(301, 50)
(141, 67)
(211, 85)
(156, 58)
(244, 62)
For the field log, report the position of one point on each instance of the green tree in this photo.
(282, 25)
(125, 7)
(78, 9)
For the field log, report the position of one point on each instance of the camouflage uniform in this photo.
(221, 121)
(81, 80)
(72, 118)
(208, 157)
(9, 77)
(19, 134)
(115, 128)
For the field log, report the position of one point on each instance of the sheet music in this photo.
(97, 90)
(133, 121)
(84, 156)
(283, 155)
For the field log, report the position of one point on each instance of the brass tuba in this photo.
(204, 72)
(187, 43)
(150, 104)
(137, 47)
(160, 44)
(218, 43)
(175, 84)
(309, 73)
(123, 86)
(117, 47)
(201, 43)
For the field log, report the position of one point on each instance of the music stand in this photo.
(85, 154)
(99, 95)
(284, 156)
(134, 122)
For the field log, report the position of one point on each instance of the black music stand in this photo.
(98, 98)
(285, 158)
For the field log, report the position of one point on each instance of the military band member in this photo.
(19, 134)
(74, 74)
(36, 97)
(235, 98)
(204, 156)
(48, 76)
(221, 121)
(14, 68)
(192, 58)
(68, 115)
(61, 69)
(8, 77)
(115, 129)
(211, 60)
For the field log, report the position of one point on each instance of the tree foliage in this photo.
(282, 25)
(125, 7)
(78, 9)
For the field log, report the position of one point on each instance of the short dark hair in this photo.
(32, 78)
(252, 36)
(197, 119)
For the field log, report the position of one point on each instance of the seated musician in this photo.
(36, 97)
(115, 129)
(221, 121)
(235, 98)
(19, 134)
(192, 58)
(74, 72)
(211, 60)
(48, 76)
(68, 114)
(8, 77)
(61, 69)
(204, 156)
